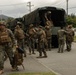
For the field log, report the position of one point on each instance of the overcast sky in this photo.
(18, 8)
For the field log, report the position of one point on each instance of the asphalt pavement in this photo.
(60, 63)
(30, 63)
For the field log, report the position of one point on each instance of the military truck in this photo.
(58, 16)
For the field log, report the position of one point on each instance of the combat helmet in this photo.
(19, 23)
(3, 23)
(49, 12)
(31, 25)
(69, 26)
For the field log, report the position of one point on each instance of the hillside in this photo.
(4, 17)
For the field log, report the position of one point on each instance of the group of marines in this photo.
(36, 36)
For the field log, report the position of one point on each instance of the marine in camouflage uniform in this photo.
(48, 28)
(32, 37)
(20, 36)
(7, 41)
(48, 22)
(42, 43)
(61, 39)
(48, 36)
(69, 37)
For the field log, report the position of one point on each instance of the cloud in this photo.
(16, 8)
(8, 2)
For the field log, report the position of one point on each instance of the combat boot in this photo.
(25, 54)
(33, 53)
(44, 57)
(39, 57)
(49, 49)
(1, 71)
(15, 69)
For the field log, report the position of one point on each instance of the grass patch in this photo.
(49, 73)
(75, 38)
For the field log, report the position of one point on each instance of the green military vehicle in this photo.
(38, 16)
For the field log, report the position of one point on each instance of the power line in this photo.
(72, 7)
(58, 3)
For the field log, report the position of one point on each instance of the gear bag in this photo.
(18, 58)
(19, 33)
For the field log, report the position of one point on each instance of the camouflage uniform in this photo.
(42, 42)
(69, 37)
(49, 22)
(32, 33)
(61, 39)
(48, 28)
(48, 36)
(7, 41)
(20, 35)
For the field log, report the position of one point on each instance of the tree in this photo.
(71, 19)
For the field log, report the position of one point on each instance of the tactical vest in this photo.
(48, 33)
(32, 32)
(42, 35)
(70, 35)
(4, 37)
(19, 34)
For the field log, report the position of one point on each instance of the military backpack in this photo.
(19, 34)
(4, 36)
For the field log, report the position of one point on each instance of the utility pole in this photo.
(67, 6)
(29, 5)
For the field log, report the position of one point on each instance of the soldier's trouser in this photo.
(10, 56)
(9, 51)
(1, 57)
(61, 45)
(42, 49)
(68, 45)
(31, 45)
(49, 44)
(21, 45)
(44, 52)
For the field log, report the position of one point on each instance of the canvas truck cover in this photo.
(37, 16)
